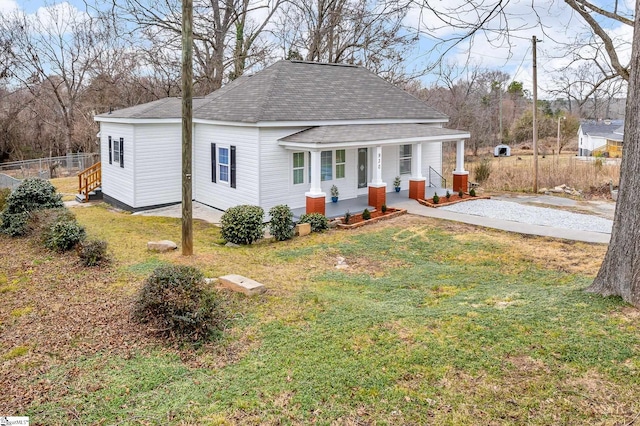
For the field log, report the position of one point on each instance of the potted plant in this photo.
(396, 183)
(334, 193)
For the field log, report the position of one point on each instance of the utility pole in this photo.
(500, 106)
(535, 117)
(187, 126)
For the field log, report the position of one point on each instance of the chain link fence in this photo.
(50, 167)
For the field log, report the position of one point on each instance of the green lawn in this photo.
(433, 323)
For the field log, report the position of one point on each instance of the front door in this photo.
(362, 167)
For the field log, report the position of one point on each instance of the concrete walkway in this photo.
(208, 214)
(505, 225)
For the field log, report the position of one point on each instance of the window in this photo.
(223, 164)
(298, 168)
(405, 159)
(326, 165)
(340, 163)
(116, 152)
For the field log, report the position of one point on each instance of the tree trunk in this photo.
(620, 271)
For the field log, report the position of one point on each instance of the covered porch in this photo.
(361, 202)
(375, 186)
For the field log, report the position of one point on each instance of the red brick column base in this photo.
(377, 196)
(460, 181)
(316, 205)
(416, 189)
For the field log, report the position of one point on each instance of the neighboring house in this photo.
(284, 135)
(601, 137)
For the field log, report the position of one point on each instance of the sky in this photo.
(551, 21)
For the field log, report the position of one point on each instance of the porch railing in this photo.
(436, 180)
(90, 179)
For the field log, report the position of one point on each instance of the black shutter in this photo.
(110, 152)
(233, 166)
(122, 152)
(213, 162)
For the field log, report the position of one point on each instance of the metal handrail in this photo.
(438, 176)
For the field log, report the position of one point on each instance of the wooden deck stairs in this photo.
(90, 184)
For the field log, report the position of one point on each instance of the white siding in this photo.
(158, 168)
(220, 195)
(118, 182)
(432, 156)
(276, 177)
(276, 184)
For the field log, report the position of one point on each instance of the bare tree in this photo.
(364, 32)
(225, 34)
(52, 53)
(620, 271)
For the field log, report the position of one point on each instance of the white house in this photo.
(284, 135)
(593, 136)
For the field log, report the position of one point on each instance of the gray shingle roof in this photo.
(612, 131)
(297, 91)
(372, 132)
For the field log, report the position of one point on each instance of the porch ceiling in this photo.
(370, 134)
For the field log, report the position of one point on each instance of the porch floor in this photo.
(357, 205)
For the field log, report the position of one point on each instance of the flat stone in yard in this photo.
(303, 229)
(161, 246)
(242, 284)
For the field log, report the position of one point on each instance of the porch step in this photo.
(96, 194)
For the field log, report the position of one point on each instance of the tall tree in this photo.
(620, 271)
(52, 53)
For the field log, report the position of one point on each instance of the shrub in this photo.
(483, 171)
(93, 252)
(366, 214)
(436, 199)
(281, 225)
(448, 194)
(460, 193)
(64, 235)
(384, 208)
(319, 222)
(174, 301)
(4, 194)
(347, 217)
(472, 192)
(243, 224)
(31, 195)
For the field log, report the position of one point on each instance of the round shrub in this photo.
(366, 214)
(281, 225)
(243, 224)
(174, 302)
(93, 252)
(31, 195)
(436, 199)
(319, 222)
(472, 192)
(64, 235)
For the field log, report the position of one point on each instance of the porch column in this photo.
(416, 181)
(377, 188)
(315, 196)
(460, 175)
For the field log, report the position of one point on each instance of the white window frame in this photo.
(294, 168)
(406, 159)
(342, 164)
(115, 145)
(220, 164)
(331, 163)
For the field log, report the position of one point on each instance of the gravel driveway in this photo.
(516, 212)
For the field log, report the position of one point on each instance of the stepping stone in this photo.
(242, 284)
(161, 246)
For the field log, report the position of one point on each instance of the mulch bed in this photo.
(356, 220)
(453, 199)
